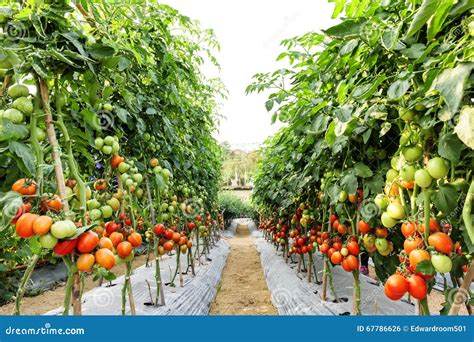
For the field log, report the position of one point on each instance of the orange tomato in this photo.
(363, 227)
(87, 241)
(434, 226)
(105, 242)
(441, 242)
(412, 243)
(51, 202)
(42, 225)
(116, 160)
(24, 225)
(124, 249)
(336, 258)
(116, 238)
(408, 229)
(105, 258)
(381, 232)
(418, 255)
(85, 262)
(25, 187)
(135, 239)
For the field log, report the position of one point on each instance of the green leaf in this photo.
(397, 89)
(465, 126)
(390, 37)
(348, 28)
(91, 119)
(349, 183)
(436, 23)
(426, 267)
(25, 154)
(450, 147)
(331, 134)
(123, 114)
(445, 199)
(123, 63)
(362, 170)
(269, 105)
(100, 51)
(451, 84)
(423, 14)
(13, 131)
(461, 7)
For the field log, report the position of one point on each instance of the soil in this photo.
(53, 299)
(243, 289)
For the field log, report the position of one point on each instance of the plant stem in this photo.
(356, 296)
(23, 282)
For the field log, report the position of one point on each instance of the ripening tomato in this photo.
(105, 258)
(337, 246)
(336, 258)
(124, 249)
(168, 245)
(335, 224)
(191, 226)
(397, 285)
(24, 225)
(87, 241)
(381, 232)
(417, 287)
(65, 247)
(25, 187)
(324, 248)
(331, 252)
(363, 227)
(390, 294)
(116, 160)
(52, 203)
(332, 218)
(42, 225)
(352, 262)
(434, 226)
(418, 255)
(441, 242)
(345, 265)
(85, 262)
(116, 238)
(105, 242)
(182, 240)
(100, 184)
(169, 234)
(412, 243)
(176, 237)
(342, 229)
(408, 229)
(135, 239)
(353, 248)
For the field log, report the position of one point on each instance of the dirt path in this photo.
(243, 289)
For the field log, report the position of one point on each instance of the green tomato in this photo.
(40, 134)
(24, 105)
(157, 169)
(114, 203)
(124, 177)
(63, 229)
(412, 153)
(407, 173)
(109, 140)
(437, 168)
(419, 107)
(146, 136)
(394, 162)
(369, 240)
(139, 192)
(48, 241)
(165, 216)
(423, 178)
(404, 138)
(13, 115)
(442, 263)
(115, 147)
(107, 211)
(166, 173)
(406, 115)
(137, 177)
(108, 107)
(93, 204)
(18, 90)
(99, 143)
(69, 193)
(342, 196)
(381, 201)
(123, 167)
(171, 209)
(381, 244)
(387, 220)
(95, 214)
(129, 182)
(391, 175)
(396, 211)
(107, 149)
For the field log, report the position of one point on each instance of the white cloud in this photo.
(250, 32)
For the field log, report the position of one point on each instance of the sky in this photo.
(249, 33)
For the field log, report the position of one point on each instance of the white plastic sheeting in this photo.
(292, 294)
(230, 232)
(194, 298)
